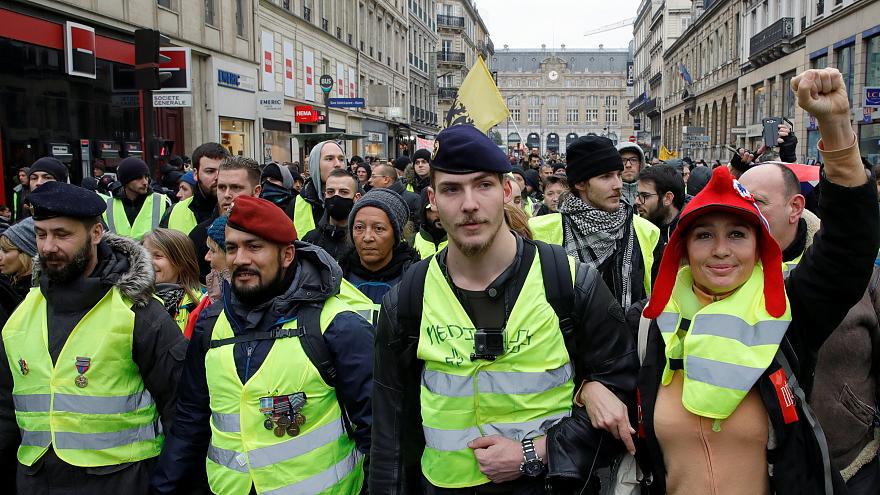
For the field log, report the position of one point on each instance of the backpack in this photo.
(558, 288)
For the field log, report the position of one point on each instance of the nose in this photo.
(469, 203)
(618, 183)
(721, 247)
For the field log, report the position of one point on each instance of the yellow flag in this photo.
(665, 154)
(478, 102)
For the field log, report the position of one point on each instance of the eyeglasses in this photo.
(643, 196)
(633, 161)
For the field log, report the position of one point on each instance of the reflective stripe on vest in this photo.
(548, 228)
(788, 266)
(113, 419)
(182, 218)
(243, 454)
(303, 219)
(520, 395)
(147, 218)
(726, 347)
(427, 248)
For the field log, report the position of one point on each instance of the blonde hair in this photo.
(517, 220)
(181, 253)
(26, 260)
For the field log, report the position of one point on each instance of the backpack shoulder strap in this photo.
(411, 291)
(308, 320)
(644, 326)
(558, 285)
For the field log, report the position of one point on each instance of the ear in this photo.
(97, 233)
(357, 196)
(258, 190)
(431, 198)
(797, 205)
(668, 198)
(288, 252)
(508, 190)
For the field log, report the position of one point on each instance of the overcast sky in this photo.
(531, 23)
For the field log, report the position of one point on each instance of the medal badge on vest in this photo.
(22, 365)
(82, 365)
(283, 413)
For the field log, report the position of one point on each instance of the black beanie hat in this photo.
(589, 156)
(131, 169)
(51, 166)
(401, 163)
(423, 154)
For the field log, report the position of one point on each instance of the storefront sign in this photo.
(172, 99)
(270, 103)
(305, 114)
(234, 80)
(629, 74)
(79, 50)
(178, 65)
(267, 60)
(872, 97)
(125, 100)
(755, 130)
(375, 137)
(346, 102)
(424, 144)
(289, 83)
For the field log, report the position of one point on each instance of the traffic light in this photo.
(147, 59)
(161, 148)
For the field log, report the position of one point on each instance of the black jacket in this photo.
(309, 195)
(331, 238)
(412, 201)
(829, 280)
(201, 206)
(605, 352)
(181, 466)
(158, 350)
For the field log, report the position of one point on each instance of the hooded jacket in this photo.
(630, 189)
(374, 284)
(411, 198)
(158, 350)
(314, 277)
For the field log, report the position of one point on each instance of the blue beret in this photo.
(464, 149)
(60, 199)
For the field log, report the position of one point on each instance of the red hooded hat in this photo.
(722, 193)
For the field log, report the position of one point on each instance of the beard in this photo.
(658, 216)
(71, 270)
(253, 295)
(471, 249)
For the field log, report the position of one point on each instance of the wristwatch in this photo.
(532, 465)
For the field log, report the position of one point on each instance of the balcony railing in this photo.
(770, 38)
(456, 58)
(447, 93)
(450, 21)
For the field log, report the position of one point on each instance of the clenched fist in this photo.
(822, 93)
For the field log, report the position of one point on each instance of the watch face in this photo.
(553, 75)
(532, 468)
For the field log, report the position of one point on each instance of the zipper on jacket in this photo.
(247, 363)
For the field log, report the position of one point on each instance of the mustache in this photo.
(244, 271)
(470, 220)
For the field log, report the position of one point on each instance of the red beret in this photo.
(262, 219)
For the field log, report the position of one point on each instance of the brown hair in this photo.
(27, 262)
(253, 169)
(179, 250)
(517, 220)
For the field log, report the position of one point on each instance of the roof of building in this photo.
(592, 60)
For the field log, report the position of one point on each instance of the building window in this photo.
(844, 58)
(770, 100)
(534, 101)
(591, 115)
(534, 115)
(552, 101)
(552, 115)
(514, 114)
(236, 136)
(239, 18)
(571, 116)
(164, 3)
(819, 62)
(788, 96)
(758, 96)
(209, 12)
(872, 62)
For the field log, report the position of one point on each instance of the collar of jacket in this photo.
(401, 258)
(799, 245)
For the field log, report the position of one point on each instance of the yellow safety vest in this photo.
(183, 313)
(427, 248)
(243, 453)
(182, 218)
(519, 395)
(528, 206)
(548, 228)
(726, 347)
(788, 266)
(112, 419)
(147, 219)
(302, 217)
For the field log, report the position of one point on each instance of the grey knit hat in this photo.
(23, 236)
(388, 201)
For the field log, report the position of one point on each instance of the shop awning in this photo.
(326, 136)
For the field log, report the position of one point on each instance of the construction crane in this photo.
(611, 27)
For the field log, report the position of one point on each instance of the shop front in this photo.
(236, 104)
(376, 142)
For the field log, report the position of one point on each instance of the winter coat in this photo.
(314, 278)
(331, 238)
(829, 280)
(376, 284)
(412, 201)
(158, 351)
(605, 353)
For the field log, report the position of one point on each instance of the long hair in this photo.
(27, 262)
(181, 253)
(517, 220)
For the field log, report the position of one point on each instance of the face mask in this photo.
(338, 207)
(275, 194)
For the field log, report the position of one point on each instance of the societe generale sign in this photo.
(305, 114)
